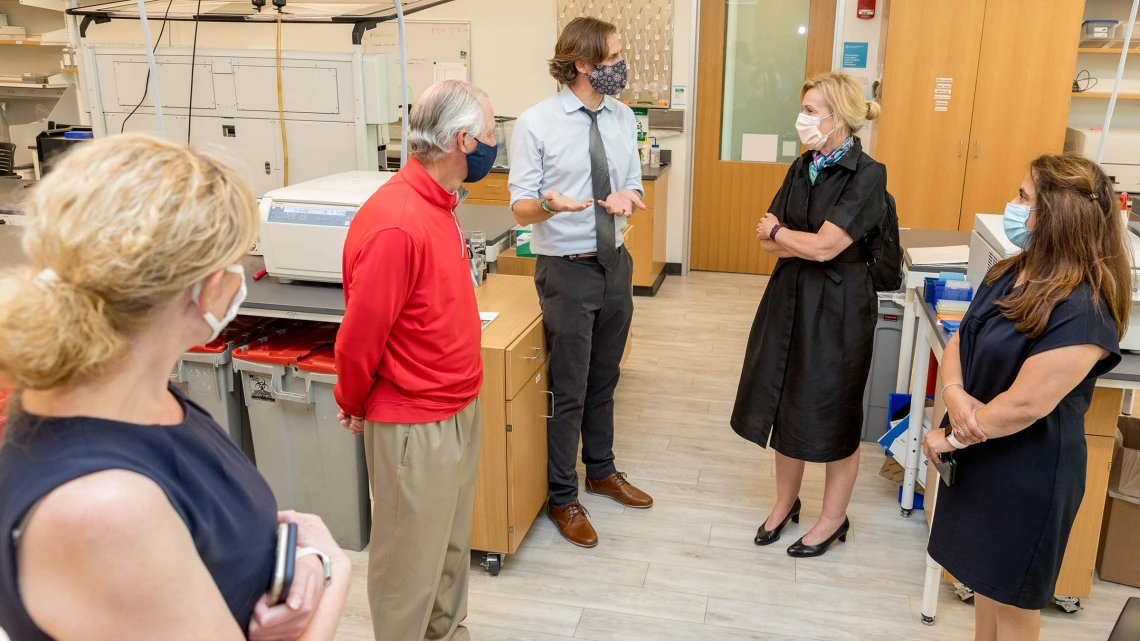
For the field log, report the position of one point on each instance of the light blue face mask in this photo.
(1015, 217)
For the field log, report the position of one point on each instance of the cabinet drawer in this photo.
(524, 357)
(493, 187)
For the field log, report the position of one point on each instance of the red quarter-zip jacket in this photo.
(408, 350)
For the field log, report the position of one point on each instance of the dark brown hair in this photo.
(584, 39)
(1078, 237)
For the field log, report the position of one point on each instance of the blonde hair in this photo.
(844, 96)
(118, 230)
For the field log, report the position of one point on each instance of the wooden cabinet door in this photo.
(932, 48)
(526, 455)
(1021, 104)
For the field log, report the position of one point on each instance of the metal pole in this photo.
(404, 81)
(154, 68)
(1116, 86)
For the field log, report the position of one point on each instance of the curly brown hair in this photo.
(583, 39)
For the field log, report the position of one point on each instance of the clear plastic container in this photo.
(1099, 29)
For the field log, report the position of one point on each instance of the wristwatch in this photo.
(303, 552)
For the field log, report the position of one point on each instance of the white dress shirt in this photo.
(550, 150)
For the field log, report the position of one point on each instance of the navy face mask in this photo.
(480, 161)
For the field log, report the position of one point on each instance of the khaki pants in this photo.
(423, 486)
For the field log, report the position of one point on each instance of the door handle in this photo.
(959, 148)
(551, 415)
(977, 148)
(537, 352)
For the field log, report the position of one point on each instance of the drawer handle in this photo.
(551, 415)
(537, 352)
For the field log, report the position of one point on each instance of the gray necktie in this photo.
(600, 175)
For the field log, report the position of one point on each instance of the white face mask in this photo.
(808, 129)
(218, 325)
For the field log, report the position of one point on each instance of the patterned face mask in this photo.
(610, 80)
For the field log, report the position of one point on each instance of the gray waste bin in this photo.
(311, 462)
(884, 370)
(207, 377)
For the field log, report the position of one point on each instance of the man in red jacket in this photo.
(409, 367)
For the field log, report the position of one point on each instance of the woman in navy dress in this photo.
(1019, 377)
(125, 511)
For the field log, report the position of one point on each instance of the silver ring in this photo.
(958, 432)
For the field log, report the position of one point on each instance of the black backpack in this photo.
(886, 252)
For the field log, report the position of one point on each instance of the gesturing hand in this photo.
(350, 423)
(559, 203)
(622, 203)
(764, 229)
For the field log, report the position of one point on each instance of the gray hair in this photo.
(440, 113)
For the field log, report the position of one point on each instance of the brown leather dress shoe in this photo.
(618, 488)
(573, 523)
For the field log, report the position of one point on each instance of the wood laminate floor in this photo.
(687, 570)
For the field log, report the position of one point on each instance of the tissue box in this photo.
(522, 242)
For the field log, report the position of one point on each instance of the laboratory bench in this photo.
(511, 487)
(14, 195)
(1075, 581)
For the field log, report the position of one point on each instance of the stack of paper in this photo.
(955, 255)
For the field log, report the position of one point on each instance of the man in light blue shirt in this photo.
(575, 178)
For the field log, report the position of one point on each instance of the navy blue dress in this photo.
(1002, 528)
(223, 500)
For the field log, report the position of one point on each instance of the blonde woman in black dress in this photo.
(809, 352)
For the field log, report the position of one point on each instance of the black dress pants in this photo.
(587, 313)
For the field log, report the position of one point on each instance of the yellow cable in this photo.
(281, 103)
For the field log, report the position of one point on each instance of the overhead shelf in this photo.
(1105, 94)
(359, 12)
(31, 43)
(1116, 50)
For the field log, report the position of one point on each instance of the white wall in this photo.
(869, 31)
(511, 40)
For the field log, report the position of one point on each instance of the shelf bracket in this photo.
(87, 20)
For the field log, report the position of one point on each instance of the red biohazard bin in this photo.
(311, 462)
(206, 375)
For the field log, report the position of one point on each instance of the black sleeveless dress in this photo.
(223, 500)
(1002, 528)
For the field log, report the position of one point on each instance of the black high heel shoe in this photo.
(768, 537)
(801, 551)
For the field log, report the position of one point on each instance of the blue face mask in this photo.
(1014, 219)
(480, 161)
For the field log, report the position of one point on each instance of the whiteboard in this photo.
(436, 51)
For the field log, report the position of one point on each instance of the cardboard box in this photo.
(896, 473)
(1124, 480)
(1119, 557)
